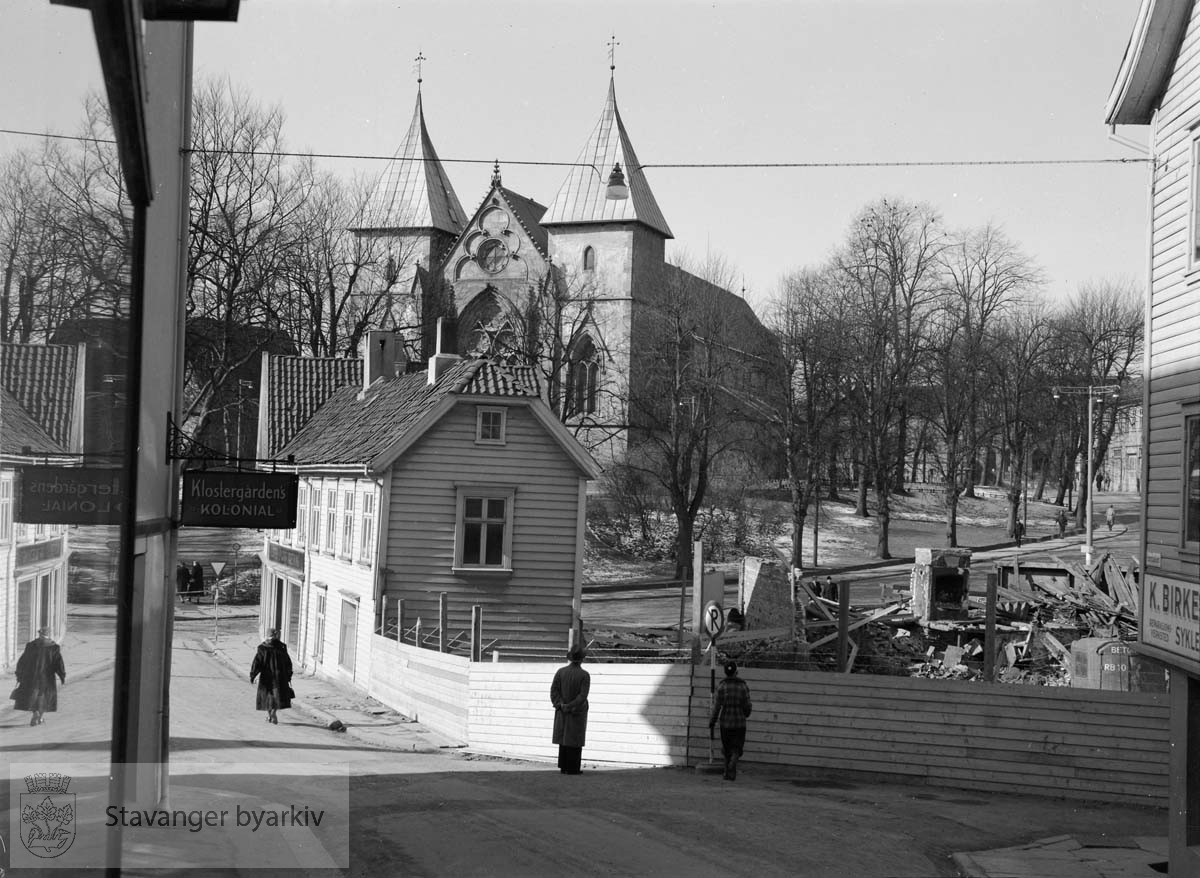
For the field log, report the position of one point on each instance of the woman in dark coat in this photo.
(273, 667)
(37, 667)
(569, 695)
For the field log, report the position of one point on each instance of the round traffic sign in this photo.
(713, 618)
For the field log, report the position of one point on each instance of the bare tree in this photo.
(808, 319)
(693, 371)
(890, 266)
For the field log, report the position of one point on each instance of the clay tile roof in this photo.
(414, 191)
(42, 379)
(581, 199)
(18, 430)
(354, 428)
(296, 387)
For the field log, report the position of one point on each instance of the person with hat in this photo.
(731, 706)
(273, 667)
(37, 667)
(569, 695)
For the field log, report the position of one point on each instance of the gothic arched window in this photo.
(589, 259)
(583, 377)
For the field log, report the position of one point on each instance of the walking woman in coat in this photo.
(273, 667)
(569, 695)
(37, 667)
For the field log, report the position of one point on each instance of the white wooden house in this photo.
(433, 491)
(41, 421)
(1158, 85)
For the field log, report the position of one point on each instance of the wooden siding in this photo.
(533, 605)
(1074, 743)
(429, 687)
(1173, 323)
(637, 714)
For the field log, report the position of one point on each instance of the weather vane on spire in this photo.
(420, 57)
(612, 52)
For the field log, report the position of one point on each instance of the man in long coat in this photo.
(569, 695)
(37, 667)
(273, 667)
(731, 706)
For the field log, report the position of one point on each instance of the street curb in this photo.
(967, 867)
(321, 715)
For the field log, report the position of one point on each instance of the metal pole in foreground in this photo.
(1091, 484)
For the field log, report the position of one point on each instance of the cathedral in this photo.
(574, 285)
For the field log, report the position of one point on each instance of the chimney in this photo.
(380, 355)
(445, 355)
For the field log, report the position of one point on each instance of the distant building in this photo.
(457, 481)
(604, 258)
(41, 422)
(1158, 84)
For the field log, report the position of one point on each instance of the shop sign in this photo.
(1171, 617)
(239, 499)
(70, 495)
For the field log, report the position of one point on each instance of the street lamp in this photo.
(1092, 391)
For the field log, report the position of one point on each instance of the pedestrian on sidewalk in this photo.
(37, 667)
(1110, 515)
(1061, 519)
(197, 589)
(569, 695)
(183, 580)
(731, 707)
(1018, 533)
(273, 667)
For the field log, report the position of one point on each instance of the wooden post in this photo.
(417, 632)
(989, 630)
(399, 620)
(682, 606)
(443, 619)
(477, 633)
(382, 615)
(843, 651)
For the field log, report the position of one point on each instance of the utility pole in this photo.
(1092, 391)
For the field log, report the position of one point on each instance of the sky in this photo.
(733, 81)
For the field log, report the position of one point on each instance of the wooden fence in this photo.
(1052, 741)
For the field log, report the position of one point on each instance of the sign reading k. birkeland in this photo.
(244, 499)
(1171, 619)
(70, 495)
(221, 817)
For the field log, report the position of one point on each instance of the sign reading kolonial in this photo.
(1171, 617)
(241, 499)
(70, 495)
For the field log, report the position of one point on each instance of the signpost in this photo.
(713, 619)
(217, 567)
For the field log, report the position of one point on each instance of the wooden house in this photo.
(1158, 85)
(423, 493)
(41, 421)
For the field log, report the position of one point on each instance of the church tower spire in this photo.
(414, 191)
(581, 198)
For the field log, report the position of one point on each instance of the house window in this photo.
(6, 511)
(302, 515)
(318, 632)
(589, 259)
(489, 426)
(1194, 216)
(314, 518)
(330, 520)
(1191, 483)
(349, 635)
(483, 533)
(366, 539)
(347, 523)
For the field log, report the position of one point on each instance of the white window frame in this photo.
(1193, 245)
(301, 531)
(461, 524)
(314, 517)
(6, 510)
(366, 538)
(329, 537)
(485, 428)
(348, 506)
